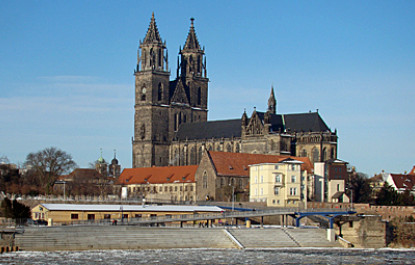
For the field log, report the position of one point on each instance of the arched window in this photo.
(143, 131)
(160, 92)
(193, 159)
(237, 148)
(199, 96)
(160, 58)
(205, 180)
(332, 154)
(228, 148)
(143, 93)
(198, 64)
(303, 153)
(182, 157)
(315, 154)
(176, 157)
(325, 154)
(200, 153)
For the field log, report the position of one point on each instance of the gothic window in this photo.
(193, 156)
(205, 180)
(303, 153)
(199, 96)
(143, 93)
(176, 157)
(228, 148)
(315, 155)
(143, 131)
(182, 157)
(198, 64)
(325, 154)
(332, 153)
(160, 57)
(237, 148)
(209, 148)
(160, 92)
(199, 155)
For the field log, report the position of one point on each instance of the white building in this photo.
(281, 184)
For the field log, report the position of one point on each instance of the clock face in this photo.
(144, 90)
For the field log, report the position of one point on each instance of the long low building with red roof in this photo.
(220, 174)
(159, 184)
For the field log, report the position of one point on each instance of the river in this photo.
(215, 256)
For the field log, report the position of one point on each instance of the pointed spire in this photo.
(191, 41)
(152, 35)
(272, 103)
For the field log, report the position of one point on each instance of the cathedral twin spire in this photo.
(152, 35)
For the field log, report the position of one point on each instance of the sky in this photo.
(66, 71)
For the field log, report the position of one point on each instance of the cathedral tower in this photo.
(161, 106)
(150, 142)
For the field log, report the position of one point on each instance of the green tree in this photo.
(49, 164)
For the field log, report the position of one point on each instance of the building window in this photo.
(160, 92)
(262, 179)
(338, 187)
(256, 179)
(74, 216)
(278, 178)
(293, 167)
(91, 216)
(276, 190)
(137, 215)
(315, 153)
(276, 167)
(205, 180)
(293, 179)
(143, 93)
(191, 188)
(175, 188)
(107, 216)
(262, 191)
(293, 191)
(125, 216)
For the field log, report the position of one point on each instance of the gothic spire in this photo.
(272, 103)
(152, 35)
(191, 41)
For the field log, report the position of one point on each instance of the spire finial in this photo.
(192, 20)
(115, 150)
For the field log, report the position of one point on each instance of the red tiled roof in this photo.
(412, 172)
(237, 164)
(158, 175)
(403, 181)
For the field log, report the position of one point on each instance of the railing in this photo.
(198, 217)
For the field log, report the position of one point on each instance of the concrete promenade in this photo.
(134, 237)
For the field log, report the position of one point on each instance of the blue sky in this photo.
(66, 76)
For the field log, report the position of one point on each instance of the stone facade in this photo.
(170, 122)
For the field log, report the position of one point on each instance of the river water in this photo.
(213, 256)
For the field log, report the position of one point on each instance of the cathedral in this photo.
(170, 120)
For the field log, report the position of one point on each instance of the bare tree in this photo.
(49, 164)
